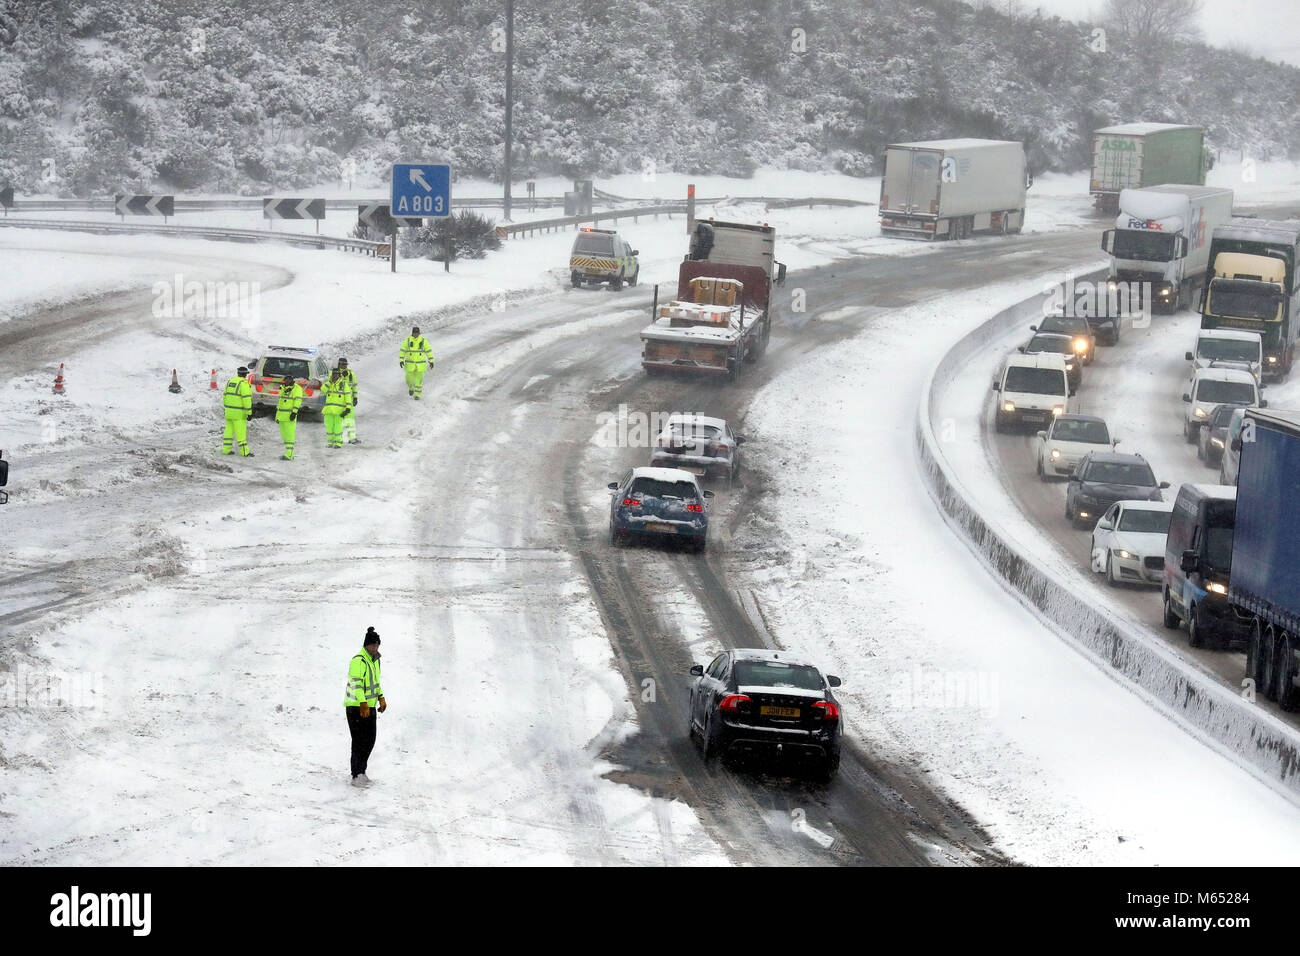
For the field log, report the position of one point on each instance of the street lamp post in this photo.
(510, 97)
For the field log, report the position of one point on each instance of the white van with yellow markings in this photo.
(600, 255)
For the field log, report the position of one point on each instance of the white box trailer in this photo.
(1162, 237)
(952, 188)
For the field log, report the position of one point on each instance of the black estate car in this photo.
(1103, 478)
(768, 704)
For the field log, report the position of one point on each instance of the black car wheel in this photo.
(1195, 630)
(1172, 620)
(826, 770)
(1038, 467)
(1110, 574)
(708, 746)
(616, 283)
(1288, 698)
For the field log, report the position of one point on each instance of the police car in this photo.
(601, 255)
(307, 365)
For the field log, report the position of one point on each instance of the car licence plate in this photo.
(771, 711)
(655, 526)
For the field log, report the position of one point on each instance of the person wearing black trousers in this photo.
(363, 701)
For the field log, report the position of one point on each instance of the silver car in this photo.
(267, 373)
(698, 444)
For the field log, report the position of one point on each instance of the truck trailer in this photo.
(722, 316)
(1162, 239)
(1252, 285)
(952, 188)
(1138, 155)
(1265, 586)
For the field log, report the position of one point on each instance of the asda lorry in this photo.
(952, 188)
(722, 316)
(1162, 239)
(1264, 589)
(1138, 155)
(1252, 285)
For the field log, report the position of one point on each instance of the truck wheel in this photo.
(576, 280)
(1172, 620)
(1195, 633)
(1254, 655)
(1288, 698)
(1267, 687)
(733, 369)
(616, 283)
(1020, 221)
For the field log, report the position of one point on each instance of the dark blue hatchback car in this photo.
(664, 503)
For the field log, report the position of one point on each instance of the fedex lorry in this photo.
(952, 188)
(1137, 155)
(1162, 239)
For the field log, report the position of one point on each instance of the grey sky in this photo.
(1269, 28)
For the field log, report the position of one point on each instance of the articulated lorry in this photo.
(1252, 286)
(722, 316)
(1162, 237)
(1138, 155)
(1264, 589)
(952, 188)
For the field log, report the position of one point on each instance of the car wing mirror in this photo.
(707, 493)
(697, 670)
(4, 472)
(1190, 357)
(1164, 484)
(1189, 564)
(1042, 435)
(1033, 328)
(1187, 396)
(833, 680)
(1021, 350)
(997, 386)
(1235, 443)
(636, 252)
(1263, 403)
(612, 486)
(1114, 442)
(740, 439)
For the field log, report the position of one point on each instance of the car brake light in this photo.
(631, 503)
(717, 448)
(827, 710)
(695, 507)
(731, 703)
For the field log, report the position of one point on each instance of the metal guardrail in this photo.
(612, 215)
(212, 205)
(366, 246)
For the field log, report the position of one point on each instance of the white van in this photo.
(1214, 386)
(1227, 345)
(1032, 390)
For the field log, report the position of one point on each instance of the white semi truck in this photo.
(952, 188)
(1162, 238)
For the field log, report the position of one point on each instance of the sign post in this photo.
(421, 190)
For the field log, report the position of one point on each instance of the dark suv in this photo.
(770, 704)
(1085, 339)
(1103, 478)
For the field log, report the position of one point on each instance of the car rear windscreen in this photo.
(1243, 393)
(1145, 522)
(594, 245)
(1093, 433)
(658, 488)
(777, 674)
(693, 433)
(278, 367)
(1119, 473)
(1035, 381)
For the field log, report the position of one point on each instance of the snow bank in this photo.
(1257, 740)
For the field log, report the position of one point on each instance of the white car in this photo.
(1213, 386)
(1227, 345)
(1066, 440)
(701, 445)
(1128, 542)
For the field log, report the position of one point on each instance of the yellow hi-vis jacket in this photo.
(349, 382)
(363, 681)
(416, 350)
(337, 396)
(290, 401)
(238, 398)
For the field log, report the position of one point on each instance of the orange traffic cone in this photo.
(212, 385)
(175, 386)
(58, 382)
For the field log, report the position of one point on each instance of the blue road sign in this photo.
(421, 189)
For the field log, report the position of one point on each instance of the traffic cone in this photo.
(212, 385)
(175, 386)
(58, 382)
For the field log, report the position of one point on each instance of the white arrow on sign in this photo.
(417, 176)
(303, 210)
(152, 205)
(122, 205)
